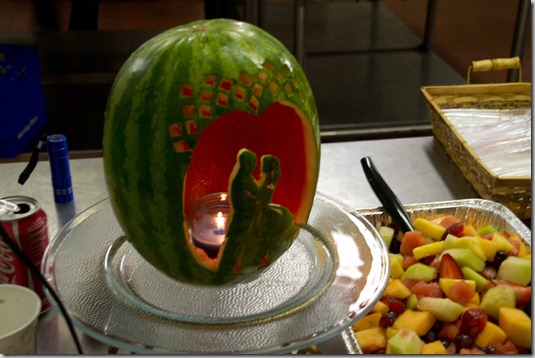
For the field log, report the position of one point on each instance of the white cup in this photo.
(19, 311)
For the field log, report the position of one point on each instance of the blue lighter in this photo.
(58, 156)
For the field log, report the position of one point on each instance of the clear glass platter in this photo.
(332, 275)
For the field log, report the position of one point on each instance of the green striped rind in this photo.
(144, 170)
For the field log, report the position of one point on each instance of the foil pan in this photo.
(472, 211)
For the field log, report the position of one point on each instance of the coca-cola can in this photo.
(28, 228)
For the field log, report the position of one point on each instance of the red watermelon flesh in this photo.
(281, 130)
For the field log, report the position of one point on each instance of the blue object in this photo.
(58, 156)
(22, 109)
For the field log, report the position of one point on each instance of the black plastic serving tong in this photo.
(386, 196)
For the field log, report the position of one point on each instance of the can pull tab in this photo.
(33, 160)
(9, 206)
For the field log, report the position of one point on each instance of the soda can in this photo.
(29, 230)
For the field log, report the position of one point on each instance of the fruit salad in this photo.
(456, 286)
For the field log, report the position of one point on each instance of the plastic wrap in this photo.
(500, 137)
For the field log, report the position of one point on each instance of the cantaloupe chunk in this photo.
(380, 307)
(517, 326)
(435, 347)
(490, 335)
(369, 321)
(469, 230)
(371, 339)
(523, 249)
(397, 289)
(419, 321)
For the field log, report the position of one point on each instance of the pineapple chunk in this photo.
(489, 248)
(446, 284)
(397, 289)
(371, 339)
(490, 336)
(396, 265)
(429, 228)
(419, 321)
(368, 321)
(435, 347)
(474, 302)
(517, 326)
(390, 332)
(502, 242)
(468, 242)
(428, 250)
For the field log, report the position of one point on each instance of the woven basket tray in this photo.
(513, 192)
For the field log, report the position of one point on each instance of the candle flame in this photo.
(223, 197)
(220, 221)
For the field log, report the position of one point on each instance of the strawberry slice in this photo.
(448, 268)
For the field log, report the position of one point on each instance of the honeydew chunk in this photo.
(490, 336)
(466, 257)
(429, 228)
(516, 324)
(444, 309)
(412, 301)
(397, 289)
(368, 321)
(428, 249)
(470, 274)
(420, 272)
(419, 321)
(503, 243)
(489, 248)
(387, 234)
(496, 297)
(405, 341)
(396, 265)
(435, 347)
(516, 270)
(446, 283)
(489, 229)
(468, 242)
(371, 339)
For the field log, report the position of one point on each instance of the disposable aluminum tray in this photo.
(478, 212)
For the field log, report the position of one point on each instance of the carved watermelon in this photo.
(211, 106)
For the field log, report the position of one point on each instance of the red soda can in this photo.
(29, 230)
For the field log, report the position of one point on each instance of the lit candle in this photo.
(208, 226)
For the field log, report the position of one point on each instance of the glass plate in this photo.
(333, 274)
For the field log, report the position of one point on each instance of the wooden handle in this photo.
(497, 64)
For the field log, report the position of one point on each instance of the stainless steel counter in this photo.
(417, 169)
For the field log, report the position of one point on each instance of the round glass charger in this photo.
(332, 275)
